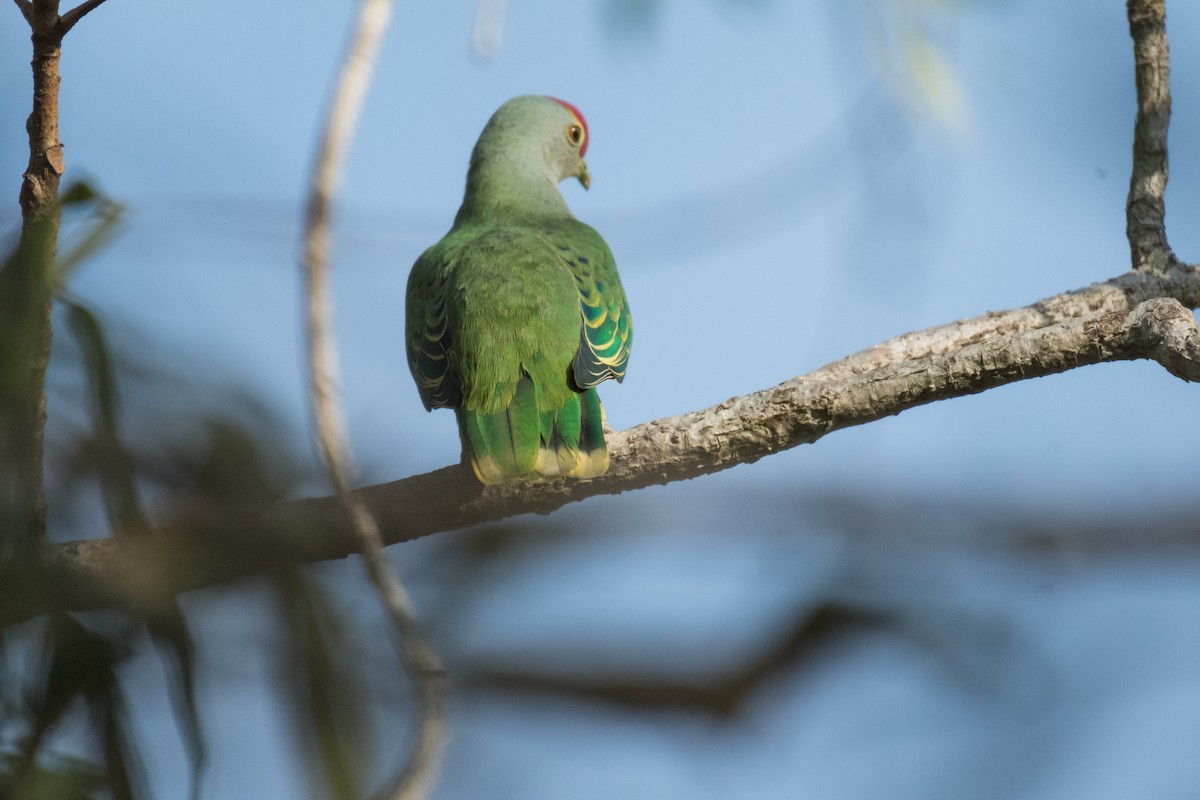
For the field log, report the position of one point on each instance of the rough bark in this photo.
(26, 292)
(26, 285)
(1146, 210)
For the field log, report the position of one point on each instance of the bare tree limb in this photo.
(68, 20)
(1122, 293)
(26, 282)
(26, 10)
(421, 663)
(721, 696)
(1145, 210)
(1110, 323)
(25, 289)
(1169, 332)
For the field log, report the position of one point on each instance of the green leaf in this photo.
(78, 192)
(115, 469)
(105, 218)
(324, 703)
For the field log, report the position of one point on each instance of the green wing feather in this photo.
(427, 332)
(606, 329)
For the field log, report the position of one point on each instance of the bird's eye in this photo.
(574, 135)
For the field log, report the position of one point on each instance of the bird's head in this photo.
(535, 134)
(576, 135)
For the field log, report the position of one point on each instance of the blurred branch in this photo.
(420, 661)
(164, 618)
(327, 714)
(117, 475)
(105, 214)
(1145, 210)
(723, 695)
(79, 664)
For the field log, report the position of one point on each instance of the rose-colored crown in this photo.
(578, 118)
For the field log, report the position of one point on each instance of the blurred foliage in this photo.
(112, 463)
(78, 672)
(58, 779)
(328, 712)
(24, 305)
(904, 35)
(28, 277)
(911, 57)
(91, 220)
(213, 463)
(639, 22)
(77, 679)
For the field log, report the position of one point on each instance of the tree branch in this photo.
(68, 20)
(26, 10)
(1170, 335)
(421, 663)
(26, 280)
(1119, 294)
(1145, 210)
(26, 334)
(1101, 323)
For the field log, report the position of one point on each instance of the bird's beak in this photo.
(585, 177)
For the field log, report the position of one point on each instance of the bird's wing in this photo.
(427, 334)
(606, 330)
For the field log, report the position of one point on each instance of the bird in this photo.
(518, 313)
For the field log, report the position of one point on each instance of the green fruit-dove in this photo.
(518, 313)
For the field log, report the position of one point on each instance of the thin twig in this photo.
(26, 9)
(421, 662)
(68, 20)
(1145, 210)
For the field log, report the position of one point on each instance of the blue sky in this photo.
(777, 195)
(762, 170)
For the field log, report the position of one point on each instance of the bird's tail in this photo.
(572, 439)
(523, 441)
(592, 457)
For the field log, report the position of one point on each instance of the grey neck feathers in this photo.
(510, 177)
